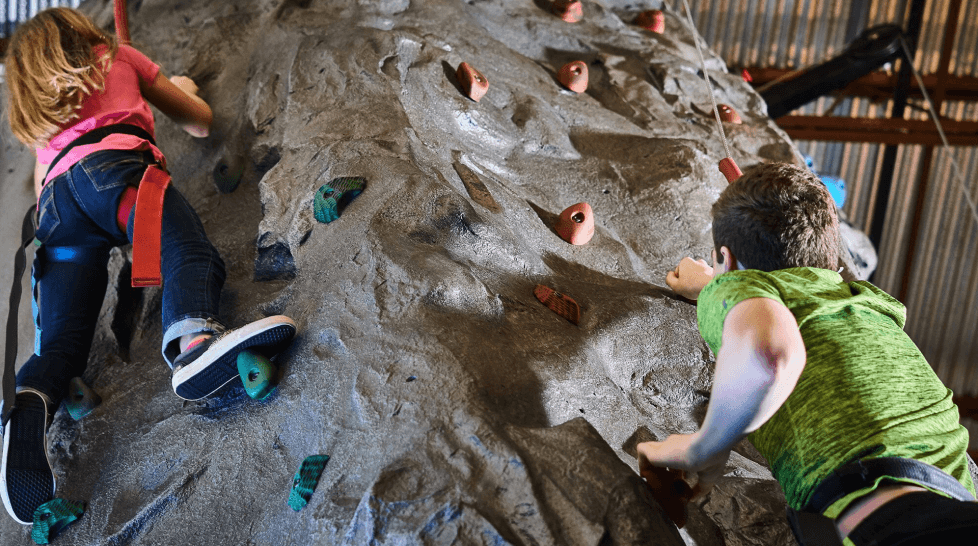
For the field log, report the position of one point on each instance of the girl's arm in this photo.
(177, 98)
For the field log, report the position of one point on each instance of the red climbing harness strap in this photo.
(147, 227)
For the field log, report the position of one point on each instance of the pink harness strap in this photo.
(147, 227)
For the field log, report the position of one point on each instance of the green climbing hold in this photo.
(335, 196)
(81, 399)
(257, 374)
(305, 481)
(52, 517)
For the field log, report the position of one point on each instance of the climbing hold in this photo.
(473, 83)
(228, 173)
(670, 490)
(305, 481)
(335, 195)
(52, 517)
(576, 224)
(569, 11)
(81, 399)
(730, 169)
(746, 75)
(653, 20)
(257, 374)
(477, 190)
(573, 76)
(728, 114)
(561, 304)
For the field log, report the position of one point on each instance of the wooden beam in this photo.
(880, 85)
(3, 48)
(884, 131)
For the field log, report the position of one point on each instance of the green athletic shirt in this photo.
(866, 389)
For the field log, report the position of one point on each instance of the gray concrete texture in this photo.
(455, 407)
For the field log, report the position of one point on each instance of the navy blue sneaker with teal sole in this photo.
(26, 478)
(212, 364)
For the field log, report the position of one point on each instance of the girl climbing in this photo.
(79, 99)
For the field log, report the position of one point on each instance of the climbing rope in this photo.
(121, 22)
(958, 175)
(727, 165)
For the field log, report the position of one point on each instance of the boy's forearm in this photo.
(760, 361)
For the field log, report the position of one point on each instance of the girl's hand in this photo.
(676, 452)
(689, 277)
(185, 84)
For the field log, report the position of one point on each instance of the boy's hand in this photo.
(689, 277)
(675, 452)
(185, 84)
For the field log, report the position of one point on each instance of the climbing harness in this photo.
(811, 528)
(727, 165)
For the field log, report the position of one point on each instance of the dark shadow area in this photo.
(451, 74)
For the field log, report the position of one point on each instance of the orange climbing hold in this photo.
(746, 75)
(573, 76)
(570, 11)
(473, 83)
(576, 224)
(653, 20)
(728, 114)
(561, 304)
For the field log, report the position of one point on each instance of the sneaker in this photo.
(212, 364)
(26, 476)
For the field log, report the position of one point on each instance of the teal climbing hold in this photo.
(305, 481)
(52, 517)
(257, 374)
(81, 399)
(335, 195)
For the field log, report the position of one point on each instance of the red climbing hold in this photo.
(653, 20)
(576, 224)
(670, 490)
(561, 304)
(574, 76)
(570, 11)
(746, 75)
(730, 169)
(473, 83)
(728, 114)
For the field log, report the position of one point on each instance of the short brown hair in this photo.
(777, 216)
(51, 68)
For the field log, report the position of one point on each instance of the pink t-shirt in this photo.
(120, 102)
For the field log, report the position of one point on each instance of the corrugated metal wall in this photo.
(942, 300)
(15, 11)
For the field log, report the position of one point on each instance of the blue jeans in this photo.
(77, 229)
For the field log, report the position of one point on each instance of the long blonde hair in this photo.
(51, 68)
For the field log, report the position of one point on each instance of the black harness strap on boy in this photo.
(10, 349)
(811, 528)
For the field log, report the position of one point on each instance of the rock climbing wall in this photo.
(454, 406)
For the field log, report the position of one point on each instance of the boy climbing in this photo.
(79, 99)
(819, 375)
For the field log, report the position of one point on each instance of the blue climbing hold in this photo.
(335, 195)
(835, 185)
(257, 374)
(305, 481)
(52, 517)
(81, 399)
